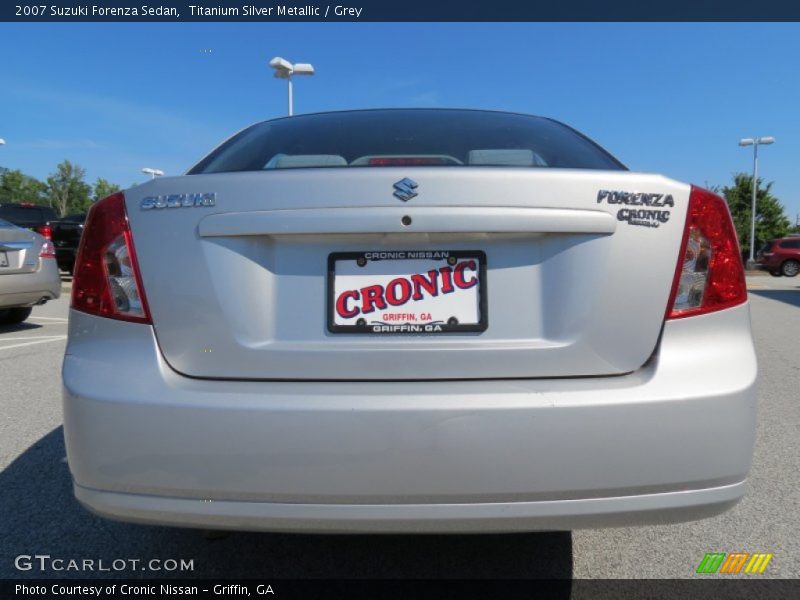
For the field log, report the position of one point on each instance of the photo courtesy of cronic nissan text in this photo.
(419, 300)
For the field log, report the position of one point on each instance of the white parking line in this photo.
(30, 337)
(58, 319)
(40, 341)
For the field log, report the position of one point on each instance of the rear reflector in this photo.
(107, 281)
(709, 275)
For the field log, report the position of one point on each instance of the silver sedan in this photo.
(409, 320)
(28, 272)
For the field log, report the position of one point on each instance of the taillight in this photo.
(107, 281)
(46, 231)
(709, 275)
(48, 250)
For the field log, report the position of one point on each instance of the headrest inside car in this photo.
(512, 157)
(287, 161)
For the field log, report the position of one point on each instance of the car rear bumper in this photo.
(476, 517)
(27, 289)
(672, 441)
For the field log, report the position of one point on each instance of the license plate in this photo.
(407, 291)
(3, 259)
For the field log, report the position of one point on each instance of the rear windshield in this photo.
(416, 137)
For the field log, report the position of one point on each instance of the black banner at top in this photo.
(405, 10)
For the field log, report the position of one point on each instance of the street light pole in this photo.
(153, 172)
(751, 260)
(291, 99)
(754, 142)
(286, 70)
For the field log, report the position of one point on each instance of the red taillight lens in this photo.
(48, 250)
(46, 231)
(107, 281)
(709, 275)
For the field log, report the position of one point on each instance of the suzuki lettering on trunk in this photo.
(407, 291)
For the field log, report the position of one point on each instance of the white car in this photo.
(28, 272)
(407, 321)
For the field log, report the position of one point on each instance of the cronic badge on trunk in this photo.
(404, 189)
(179, 200)
(643, 217)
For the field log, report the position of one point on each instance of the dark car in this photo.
(29, 215)
(780, 257)
(66, 235)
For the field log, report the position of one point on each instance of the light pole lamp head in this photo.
(747, 142)
(2, 142)
(766, 140)
(153, 172)
(303, 69)
(283, 68)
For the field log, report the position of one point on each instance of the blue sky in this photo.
(670, 98)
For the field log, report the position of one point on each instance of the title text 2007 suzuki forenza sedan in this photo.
(409, 320)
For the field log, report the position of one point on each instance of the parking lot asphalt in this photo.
(38, 514)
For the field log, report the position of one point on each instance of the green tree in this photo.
(771, 220)
(67, 192)
(15, 186)
(103, 188)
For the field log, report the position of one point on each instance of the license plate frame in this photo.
(3, 258)
(440, 257)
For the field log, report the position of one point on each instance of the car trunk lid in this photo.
(578, 269)
(19, 250)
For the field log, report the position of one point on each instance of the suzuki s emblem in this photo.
(404, 189)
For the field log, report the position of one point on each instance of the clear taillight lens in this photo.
(694, 272)
(107, 281)
(48, 250)
(709, 274)
(122, 279)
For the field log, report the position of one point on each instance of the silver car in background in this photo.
(409, 321)
(28, 272)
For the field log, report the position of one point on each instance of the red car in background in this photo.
(780, 257)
